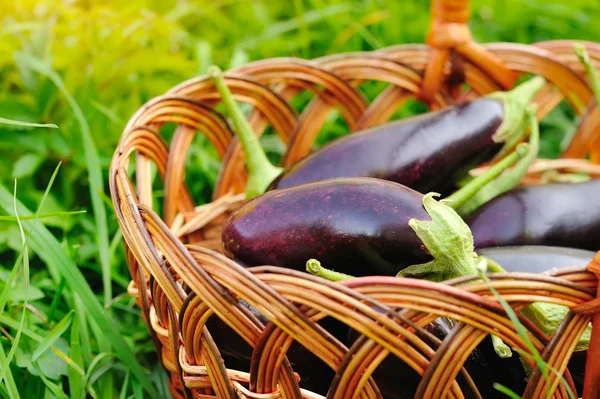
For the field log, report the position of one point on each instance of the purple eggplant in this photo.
(483, 366)
(315, 375)
(542, 259)
(536, 258)
(558, 214)
(422, 152)
(358, 225)
(426, 152)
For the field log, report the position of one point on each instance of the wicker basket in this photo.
(180, 278)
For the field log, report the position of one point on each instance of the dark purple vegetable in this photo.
(558, 214)
(425, 152)
(536, 258)
(397, 380)
(422, 152)
(540, 259)
(358, 225)
(315, 375)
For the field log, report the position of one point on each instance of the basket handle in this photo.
(449, 32)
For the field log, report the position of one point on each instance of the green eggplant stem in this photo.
(516, 102)
(501, 348)
(492, 265)
(511, 178)
(592, 73)
(260, 171)
(461, 196)
(314, 267)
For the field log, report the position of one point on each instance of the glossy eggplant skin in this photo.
(540, 259)
(315, 375)
(397, 380)
(357, 226)
(536, 258)
(558, 214)
(422, 152)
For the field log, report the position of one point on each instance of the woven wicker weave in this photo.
(180, 278)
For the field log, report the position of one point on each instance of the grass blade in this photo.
(41, 215)
(15, 344)
(68, 360)
(9, 381)
(29, 124)
(12, 323)
(75, 378)
(54, 388)
(506, 391)
(123, 393)
(106, 385)
(4, 392)
(50, 251)
(97, 360)
(55, 300)
(9, 283)
(137, 390)
(55, 334)
(93, 167)
(84, 333)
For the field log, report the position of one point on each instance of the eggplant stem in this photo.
(501, 348)
(314, 267)
(260, 171)
(592, 73)
(461, 196)
(516, 103)
(511, 178)
(492, 265)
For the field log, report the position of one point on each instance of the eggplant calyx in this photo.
(449, 241)
(548, 316)
(261, 172)
(472, 188)
(516, 102)
(512, 177)
(314, 267)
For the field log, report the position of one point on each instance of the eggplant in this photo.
(363, 225)
(397, 380)
(536, 258)
(425, 152)
(421, 152)
(556, 214)
(542, 259)
(315, 375)
(358, 225)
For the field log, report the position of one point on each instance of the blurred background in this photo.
(86, 66)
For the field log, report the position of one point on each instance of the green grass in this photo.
(85, 67)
